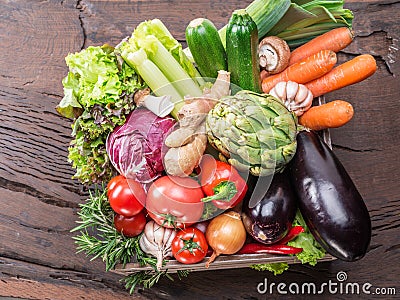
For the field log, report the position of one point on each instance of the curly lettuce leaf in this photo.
(69, 106)
(98, 94)
(312, 250)
(276, 268)
(90, 159)
(96, 70)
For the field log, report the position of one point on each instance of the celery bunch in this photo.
(159, 59)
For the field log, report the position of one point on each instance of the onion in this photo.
(225, 234)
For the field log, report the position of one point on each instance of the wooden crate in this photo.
(228, 261)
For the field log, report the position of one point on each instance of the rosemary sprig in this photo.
(149, 278)
(98, 238)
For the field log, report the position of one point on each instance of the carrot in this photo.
(335, 40)
(303, 71)
(329, 115)
(350, 72)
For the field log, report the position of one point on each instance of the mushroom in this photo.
(274, 54)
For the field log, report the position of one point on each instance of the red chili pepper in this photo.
(293, 232)
(221, 183)
(256, 248)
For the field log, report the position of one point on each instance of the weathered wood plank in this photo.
(38, 200)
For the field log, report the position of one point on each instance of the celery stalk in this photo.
(157, 28)
(154, 78)
(164, 60)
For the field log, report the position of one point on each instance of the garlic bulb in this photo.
(156, 241)
(296, 97)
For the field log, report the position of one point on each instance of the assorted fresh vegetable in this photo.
(335, 40)
(126, 196)
(270, 220)
(189, 246)
(225, 235)
(274, 54)
(350, 72)
(242, 51)
(175, 202)
(329, 115)
(253, 132)
(221, 183)
(306, 70)
(135, 148)
(215, 153)
(202, 37)
(329, 201)
(297, 97)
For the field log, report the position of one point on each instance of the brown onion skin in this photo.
(225, 234)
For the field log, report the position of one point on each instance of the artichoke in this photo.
(253, 132)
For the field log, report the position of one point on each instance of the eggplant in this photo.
(329, 201)
(269, 220)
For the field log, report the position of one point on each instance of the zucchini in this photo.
(206, 47)
(241, 51)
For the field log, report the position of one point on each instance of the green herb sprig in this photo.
(98, 238)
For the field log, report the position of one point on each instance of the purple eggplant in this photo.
(271, 217)
(329, 201)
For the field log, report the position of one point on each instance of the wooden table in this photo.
(39, 201)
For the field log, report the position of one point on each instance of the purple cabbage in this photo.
(135, 148)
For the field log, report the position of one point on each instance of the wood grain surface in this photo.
(39, 200)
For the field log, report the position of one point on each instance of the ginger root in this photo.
(182, 160)
(188, 143)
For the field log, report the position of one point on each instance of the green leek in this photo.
(296, 21)
(307, 19)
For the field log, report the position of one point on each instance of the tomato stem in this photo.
(190, 245)
(224, 191)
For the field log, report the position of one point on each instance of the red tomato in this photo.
(126, 196)
(189, 246)
(221, 183)
(130, 226)
(175, 201)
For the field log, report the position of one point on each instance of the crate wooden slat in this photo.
(222, 262)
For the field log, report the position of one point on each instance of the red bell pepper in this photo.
(221, 183)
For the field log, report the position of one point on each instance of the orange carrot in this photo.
(303, 71)
(329, 115)
(335, 40)
(350, 72)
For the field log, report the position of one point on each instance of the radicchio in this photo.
(135, 148)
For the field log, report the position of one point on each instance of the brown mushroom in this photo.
(274, 54)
